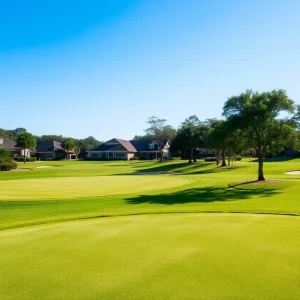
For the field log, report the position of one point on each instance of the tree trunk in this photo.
(195, 154)
(67, 155)
(161, 156)
(24, 154)
(229, 157)
(190, 157)
(261, 167)
(217, 157)
(223, 159)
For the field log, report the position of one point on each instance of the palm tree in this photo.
(25, 141)
(68, 144)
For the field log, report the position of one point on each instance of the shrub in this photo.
(28, 159)
(237, 157)
(210, 159)
(5, 155)
(7, 166)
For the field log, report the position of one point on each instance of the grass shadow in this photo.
(185, 168)
(278, 159)
(201, 195)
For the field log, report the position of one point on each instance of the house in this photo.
(10, 145)
(52, 150)
(118, 149)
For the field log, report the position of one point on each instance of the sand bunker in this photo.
(43, 167)
(293, 173)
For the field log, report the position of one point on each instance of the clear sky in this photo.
(102, 67)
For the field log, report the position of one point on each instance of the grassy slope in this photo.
(170, 256)
(186, 256)
(71, 190)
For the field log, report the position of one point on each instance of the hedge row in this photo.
(7, 166)
(28, 159)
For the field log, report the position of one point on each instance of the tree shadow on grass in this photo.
(185, 168)
(202, 195)
(278, 159)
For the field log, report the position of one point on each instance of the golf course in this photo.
(150, 230)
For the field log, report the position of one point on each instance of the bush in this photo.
(237, 158)
(210, 159)
(28, 159)
(5, 155)
(7, 166)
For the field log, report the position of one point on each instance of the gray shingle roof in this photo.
(131, 146)
(9, 144)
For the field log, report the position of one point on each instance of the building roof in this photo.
(131, 146)
(115, 145)
(8, 144)
(143, 145)
(49, 146)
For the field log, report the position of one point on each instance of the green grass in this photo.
(149, 236)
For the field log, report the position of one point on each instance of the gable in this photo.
(115, 145)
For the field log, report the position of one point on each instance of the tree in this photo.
(191, 135)
(5, 156)
(25, 141)
(13, 134)
(260, 117)
(184, 141)
(218, 138)
(68, 144)
(157, 130)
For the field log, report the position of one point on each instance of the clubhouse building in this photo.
(118, 149)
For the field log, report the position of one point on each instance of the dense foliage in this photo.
(157, 130)
(259, 116)
(26, 140)
(6, 162)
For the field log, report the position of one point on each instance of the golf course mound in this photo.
(84, 187)
(173, 256)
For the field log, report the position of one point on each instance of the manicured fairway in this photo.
(94, 230)
(79, 187)
(179, 256)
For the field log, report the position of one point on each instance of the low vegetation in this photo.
(199, 230)
(6, 162)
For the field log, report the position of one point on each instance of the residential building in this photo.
(52, 150)
(118, 149)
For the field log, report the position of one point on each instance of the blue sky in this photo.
(101, 68)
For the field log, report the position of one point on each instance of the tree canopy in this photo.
(26, 140)
(69, 144)
(157, 130)
(267, 121)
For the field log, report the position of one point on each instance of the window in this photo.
(151, 146)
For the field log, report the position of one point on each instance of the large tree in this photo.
(157, 130)
(69, 145)
(218, 138)
(191, 135)
(26, 141)
(267, 121)
(184, 141)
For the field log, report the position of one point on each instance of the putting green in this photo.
(77, 187)
(175, 256)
